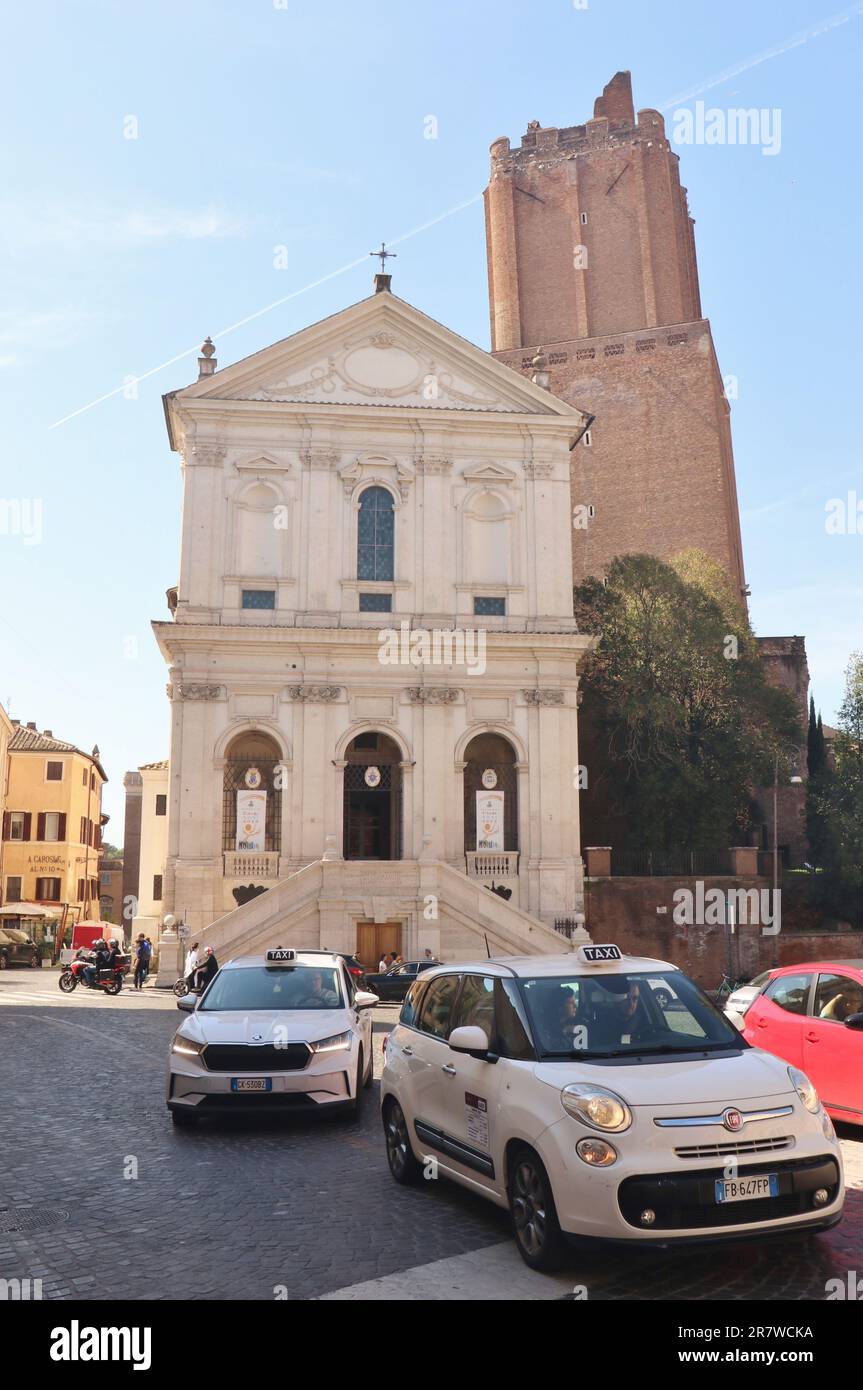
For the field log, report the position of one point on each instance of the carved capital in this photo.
(195, 692)
(434, 463)
(314, 694)
(538, 470)
(432, 694)
(320, 457)
(543, 697)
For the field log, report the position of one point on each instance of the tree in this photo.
(819, 774)
(689, 722)
(839, 799)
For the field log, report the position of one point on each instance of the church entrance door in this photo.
(372, 799)
(375, 940)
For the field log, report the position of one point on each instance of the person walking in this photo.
(141, 957)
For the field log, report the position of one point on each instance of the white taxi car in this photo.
(558, 1086)
(285, 1030)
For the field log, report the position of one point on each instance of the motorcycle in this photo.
(110, 981)
(182, 988)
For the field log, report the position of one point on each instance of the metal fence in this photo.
(673, 863)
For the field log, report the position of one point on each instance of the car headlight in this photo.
(805, 1090)
(339, 1042)
(184, 1047)
(595, 1106)
(596, 1153)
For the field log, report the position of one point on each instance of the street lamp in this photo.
(794, 779)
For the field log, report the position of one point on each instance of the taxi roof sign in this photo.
(281, 955)
(597, 955)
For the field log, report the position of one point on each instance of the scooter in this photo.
(182, 988)
(109, 981)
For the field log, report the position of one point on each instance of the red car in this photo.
(811, 1015)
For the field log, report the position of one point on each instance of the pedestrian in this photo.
(191, 965)
(430, 958)
(149, 958)
(140, 961)
(384, 963)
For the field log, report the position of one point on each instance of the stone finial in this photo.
(207, 361)
(539, 374)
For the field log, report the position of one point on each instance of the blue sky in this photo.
(303, 125)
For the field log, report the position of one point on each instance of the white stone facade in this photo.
(375, 459)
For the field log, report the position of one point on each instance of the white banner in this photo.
(251, 820)
(489, 820)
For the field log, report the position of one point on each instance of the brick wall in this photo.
(623, 910)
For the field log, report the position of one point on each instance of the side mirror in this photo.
(854, 1021)
(188, 1003)
(470, 1039)
(364, 999)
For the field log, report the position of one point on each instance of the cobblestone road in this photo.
(238, 1209)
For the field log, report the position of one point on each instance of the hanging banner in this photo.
(251, 820)
(489, 820)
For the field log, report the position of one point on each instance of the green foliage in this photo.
(837, 798)
(690, 722)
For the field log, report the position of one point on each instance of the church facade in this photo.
(373, 663)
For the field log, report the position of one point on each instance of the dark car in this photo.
(355, 967)
(17, 948)
(394, 983)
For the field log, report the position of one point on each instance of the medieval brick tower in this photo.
(591, 255)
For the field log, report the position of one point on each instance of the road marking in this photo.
(493, 1273)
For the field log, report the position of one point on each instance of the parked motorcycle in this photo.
(182, 988)
(109, 981)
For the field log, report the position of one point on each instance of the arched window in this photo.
(491, 753)
(256, 753)
(376, 535)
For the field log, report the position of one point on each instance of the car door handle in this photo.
(408, 1051)
(812, 1037)
(450, 1071)
(762, 1023)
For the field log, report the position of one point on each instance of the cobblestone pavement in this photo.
(304, 1205)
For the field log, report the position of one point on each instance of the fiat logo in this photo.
(732, 1119)
(257, 1037)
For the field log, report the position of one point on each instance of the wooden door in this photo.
(375, 939)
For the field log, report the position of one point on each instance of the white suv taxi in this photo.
(286, 1030)
(560, 1086)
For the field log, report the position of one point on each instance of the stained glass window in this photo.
(376, 535)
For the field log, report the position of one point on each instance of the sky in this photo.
(223, 167)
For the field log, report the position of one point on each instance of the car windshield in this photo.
(624, 1014)
(256, 987)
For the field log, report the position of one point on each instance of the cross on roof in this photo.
(384, 256)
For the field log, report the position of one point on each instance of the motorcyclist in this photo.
(205, 973)
(98, 954)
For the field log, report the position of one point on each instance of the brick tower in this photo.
(591, 255)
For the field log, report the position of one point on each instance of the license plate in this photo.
(251, 1083)
(746, 1189)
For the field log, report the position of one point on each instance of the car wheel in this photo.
(403, 1164)
(183, 1119)
(355, 1108)
(3, 962)
(534, 1216)
(34, 962)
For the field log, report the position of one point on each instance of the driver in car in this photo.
(315, 996)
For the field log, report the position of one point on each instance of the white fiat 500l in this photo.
(561, 1088)
(286, 1030)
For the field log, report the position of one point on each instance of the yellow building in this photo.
(52, 825)
(6, 731)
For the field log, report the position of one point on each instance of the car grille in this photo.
(746, 1146)
(262, 1060)
(686, 1201)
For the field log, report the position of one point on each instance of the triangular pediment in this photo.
(380, 352)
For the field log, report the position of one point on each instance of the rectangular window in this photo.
(83, 836)
(16, 825)
(376, 603)
(259, 598)
(53, 772)
(52, 825)
(161, 804)
(81, 887)
(92, 781)
(484, 607)
(83, 777)
(13, 888)
(587, 439)
(48, 890)
(157, 888)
